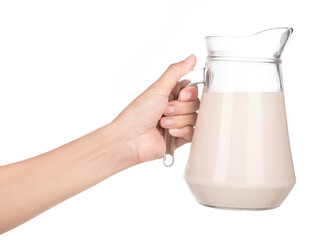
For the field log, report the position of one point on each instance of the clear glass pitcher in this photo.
(240, 154)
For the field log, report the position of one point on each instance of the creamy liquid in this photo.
(240, 154)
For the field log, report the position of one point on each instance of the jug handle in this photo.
(168, 158)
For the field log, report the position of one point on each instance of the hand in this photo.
(135, 136)
(144, 120)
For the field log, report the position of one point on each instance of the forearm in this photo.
(32, 186)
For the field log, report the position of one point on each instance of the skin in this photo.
(30, 187)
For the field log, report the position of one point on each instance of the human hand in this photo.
(145, 119)
(135, 136)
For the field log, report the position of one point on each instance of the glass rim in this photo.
(243, 36)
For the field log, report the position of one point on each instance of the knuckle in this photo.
(193, 119)
(190, 118)
(188, 107)
(197, 103)
(189, 130)
(184, 108)
(171, 67)
(189, 134)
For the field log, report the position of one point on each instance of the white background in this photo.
(69, 67)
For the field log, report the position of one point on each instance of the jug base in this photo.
(239, 197)
(238, 209)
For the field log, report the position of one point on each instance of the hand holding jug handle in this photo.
(168, 158)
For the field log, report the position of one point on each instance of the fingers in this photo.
(179, 142)
(181, 108)
(178, 121)
(178, 87)
(188, 103)
(183, 135)
(185, 132)
(188, 93)
(174, 72)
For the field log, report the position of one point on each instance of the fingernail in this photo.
(185, 96)
(169, 109)
(189, 59)
(174, 130)
(166, 122)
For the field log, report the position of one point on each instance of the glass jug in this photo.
(240, 155)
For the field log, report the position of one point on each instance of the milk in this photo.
(240, 155)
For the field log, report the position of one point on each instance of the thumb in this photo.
(173, 74)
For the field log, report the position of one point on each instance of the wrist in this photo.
(118, 146)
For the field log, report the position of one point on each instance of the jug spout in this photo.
(267, 44)
(283, 35)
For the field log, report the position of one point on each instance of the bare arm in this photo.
(29, 187)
